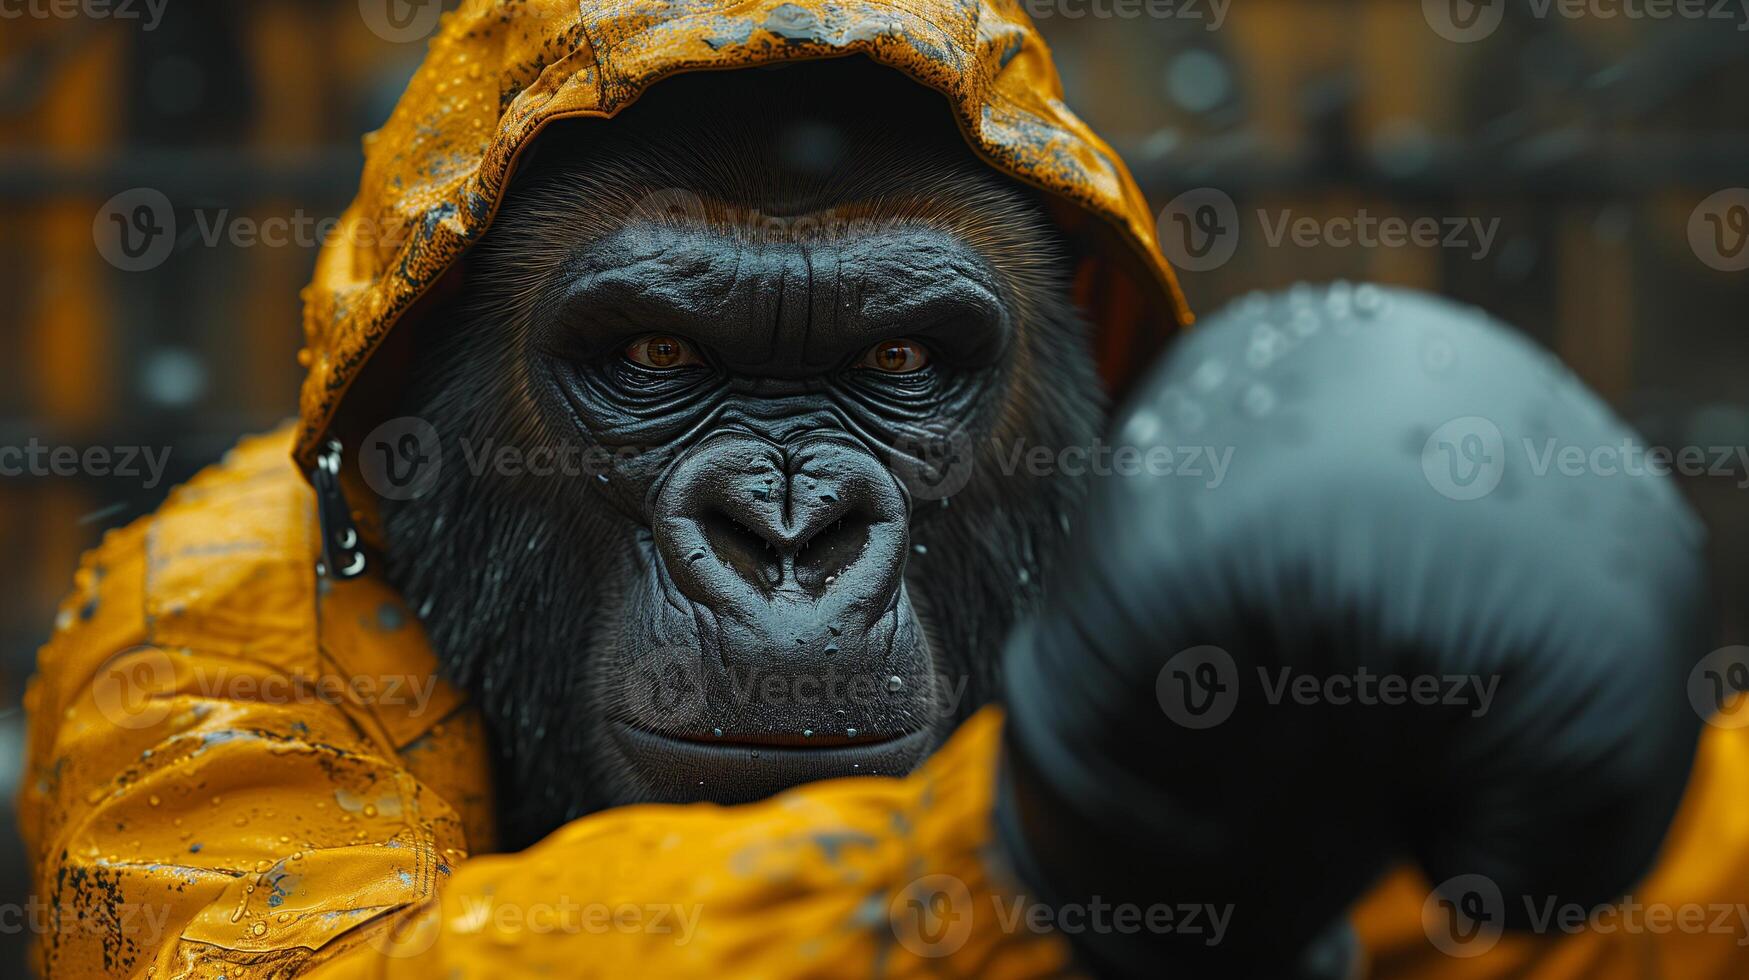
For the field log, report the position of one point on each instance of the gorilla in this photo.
(786, 330)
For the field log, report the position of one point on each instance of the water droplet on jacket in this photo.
(258, 929)
(153, 800)
(370, 809)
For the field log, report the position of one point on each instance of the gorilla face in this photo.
(729, 410)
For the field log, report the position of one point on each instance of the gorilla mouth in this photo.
(744, 768)
(783, 740)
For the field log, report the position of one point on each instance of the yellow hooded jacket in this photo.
(241, 768)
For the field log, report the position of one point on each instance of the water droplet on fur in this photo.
(850, 733)
(921, 549)
(807, 733)
(895, 683)
(716, 733)
(831, 648)
(602, 477)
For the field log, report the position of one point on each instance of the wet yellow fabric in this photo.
(237, 769)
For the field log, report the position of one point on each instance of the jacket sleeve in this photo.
(202, 794)
(867, 877)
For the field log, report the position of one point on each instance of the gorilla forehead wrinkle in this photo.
(788, 308)
(763, 582)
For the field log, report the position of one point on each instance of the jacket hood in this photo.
(499, 71)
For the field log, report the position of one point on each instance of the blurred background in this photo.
(1584, 175)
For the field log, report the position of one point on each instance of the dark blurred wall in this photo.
(1585, 160)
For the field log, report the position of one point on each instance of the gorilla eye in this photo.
(661, 352)
(896, 357)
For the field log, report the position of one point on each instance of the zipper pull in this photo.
(342, 555)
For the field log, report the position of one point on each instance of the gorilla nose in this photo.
(765, 553)
(741, 522)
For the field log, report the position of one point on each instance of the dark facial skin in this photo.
(773, 335)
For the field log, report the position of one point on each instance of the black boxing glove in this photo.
(1379, 615)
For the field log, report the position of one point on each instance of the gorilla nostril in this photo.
(831, 550)
(743, 549)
